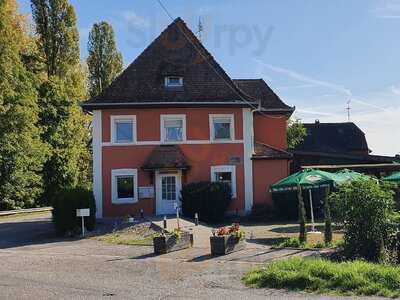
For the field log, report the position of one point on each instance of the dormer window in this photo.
(173, 81)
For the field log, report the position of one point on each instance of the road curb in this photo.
(24, 211)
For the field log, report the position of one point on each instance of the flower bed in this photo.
(169, 242)
(227, 240)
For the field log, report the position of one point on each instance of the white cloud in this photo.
(305, 79)
(387, 9)
(380, 123)
(134, 20)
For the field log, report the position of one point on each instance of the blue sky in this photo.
(317, 55)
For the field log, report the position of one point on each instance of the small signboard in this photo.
(235, 160)
(146, 192)
(83, 212)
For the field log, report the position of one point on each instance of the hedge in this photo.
(64, 210)
(209, 199)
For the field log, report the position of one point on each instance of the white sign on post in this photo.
(83, 212)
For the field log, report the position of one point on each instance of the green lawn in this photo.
(327, 277)
(134, 235)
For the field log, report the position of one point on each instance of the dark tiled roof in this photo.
(334, 138)
(178, 52)
(174, 52)
(259, 89)
(166, 157)
(263, 151)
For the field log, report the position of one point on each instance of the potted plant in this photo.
(227, 239)
(172, 241)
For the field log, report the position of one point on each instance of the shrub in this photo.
(328, 221)
(302, 217)
(364, 208)
(292, 242)
(209, 199)
(65, 206)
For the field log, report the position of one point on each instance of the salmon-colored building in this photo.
(174, 117)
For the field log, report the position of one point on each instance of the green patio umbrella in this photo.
(350, 175)
(395, 177)
(307, 179)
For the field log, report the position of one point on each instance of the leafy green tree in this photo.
(21, 150)
(364, 208)
(328, 220)
(296, 132)
(104, 60)
(65, 127)
(302, 216)
(58, 37)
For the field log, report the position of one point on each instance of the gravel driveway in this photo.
(36, 265)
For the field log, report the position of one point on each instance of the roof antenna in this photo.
(199, 29)
(348, 110)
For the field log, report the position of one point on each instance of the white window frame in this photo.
(113, 137)
(225, 168)
(114, 188)
(168, 84)
(162, 128)
(232, 127)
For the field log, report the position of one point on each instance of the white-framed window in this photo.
(173, 81)
(173, 128)
(123, 129)
(222, 127)
(225, 174)
(124, 186)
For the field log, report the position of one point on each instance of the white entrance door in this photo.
(168, 191)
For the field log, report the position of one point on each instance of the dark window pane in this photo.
(125, 186)
(222, 130)
(124, 131)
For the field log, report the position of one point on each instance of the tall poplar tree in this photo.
(65, 127)
(104, 60)
(21, 150)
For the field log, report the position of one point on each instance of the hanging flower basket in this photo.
(227, 240)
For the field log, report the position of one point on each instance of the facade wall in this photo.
(265, 173)
(201, 154)
(270, 130)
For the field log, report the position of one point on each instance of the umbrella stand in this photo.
(312, 213)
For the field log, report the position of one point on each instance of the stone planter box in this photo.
(170, 242)
(221, 245)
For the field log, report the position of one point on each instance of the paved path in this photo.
(45, 268)
(254, 253)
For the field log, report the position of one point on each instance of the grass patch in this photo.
(26, 215)
(294, 242)
(326, 277)
(138, 235)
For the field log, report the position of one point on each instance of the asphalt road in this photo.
(35, 265)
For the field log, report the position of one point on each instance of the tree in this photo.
(328, 220)
(21, 150)
(58, 36)
(296, 132)
(104, 60)
(65, 127)
(364, 208)
(302, 216)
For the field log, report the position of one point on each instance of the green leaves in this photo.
(364, 208)
(21, 151)
(296, 132)
(104, 60)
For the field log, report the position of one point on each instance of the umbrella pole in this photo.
(312, 211)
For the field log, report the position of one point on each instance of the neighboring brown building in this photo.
(333, 146)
